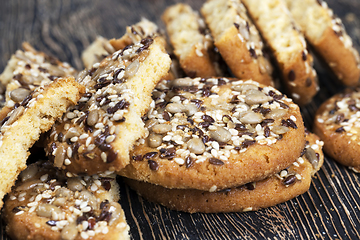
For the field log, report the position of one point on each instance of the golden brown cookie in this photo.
(327, 34)
(27, 70)
(48, 203)
(288, 46)
(337, 124)
(281, 187)
(237, 39)
(192, 44)
(96, 51)
(22, 127)
(215, 133)
(97, 134)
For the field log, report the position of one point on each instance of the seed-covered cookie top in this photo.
(31, 69)
(341, 114)
(86, 139)
(213, 122)
(72, 207)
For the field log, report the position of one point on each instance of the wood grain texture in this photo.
(329, 210)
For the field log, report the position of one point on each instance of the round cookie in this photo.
(237, 40)
(337, 124)
(288, 46)
(97, 134)
(281, 187)
(327, 34)
(192, 42)
(215, 133)
(48, 203)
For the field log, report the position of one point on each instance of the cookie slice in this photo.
(281, 187)
(337, 124)
(237, 39)
(97, 134)
(96, 51)
(215, 133)
(102, 47)
(288, 46)
(327, 34)
(134, 33)
(27, 70)
(192, 44)
(22, 127)
(48, 203)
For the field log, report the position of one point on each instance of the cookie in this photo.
(97, 134)
(237, 40)
(102, 47)
(337, 124)
(27, 70)
(22, 127)
(215, 133)
(327, 34)
(281, 187)
(96, 52)
(48, 203)
(288, 46)
(192, 44)
(136, 32)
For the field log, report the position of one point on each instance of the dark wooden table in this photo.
(329, 210)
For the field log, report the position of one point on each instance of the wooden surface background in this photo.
(329, 210)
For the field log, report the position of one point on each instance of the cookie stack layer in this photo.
(212, 134)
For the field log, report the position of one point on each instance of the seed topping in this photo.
(230, 117)
(74, 206)
(91, 127)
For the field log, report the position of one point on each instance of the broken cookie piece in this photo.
(22, 127)
(97, 134)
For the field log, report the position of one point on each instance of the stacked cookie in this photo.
(209, 135)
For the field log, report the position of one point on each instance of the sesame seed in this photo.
(179, 161)
(84, 235)
(67, 162)
(69, 152)
(110, 139)
(88, 141)
(91, 147)
(213, 188)
(97, 132)
(247, 209)
(44, 177)
(103, 156)
(19, 213)
(94, 187)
